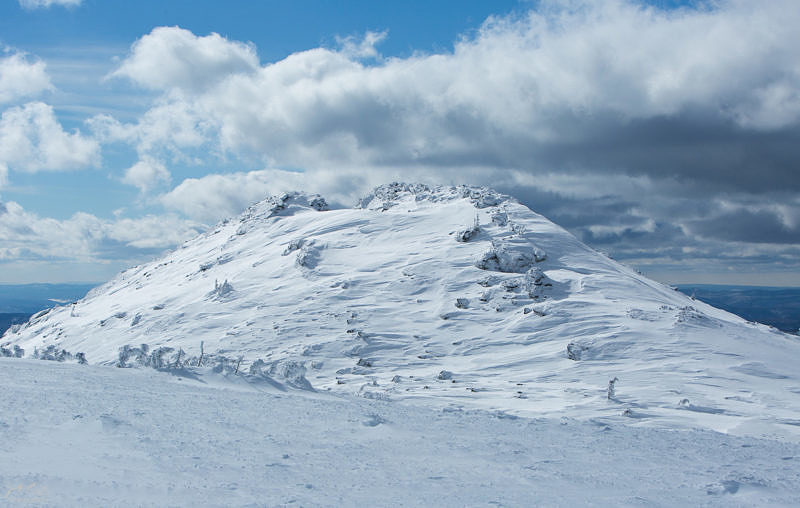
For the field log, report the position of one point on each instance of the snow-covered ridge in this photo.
(460, 295)
(389, 195)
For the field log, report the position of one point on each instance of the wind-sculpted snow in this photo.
(78, 435)
(381, 299)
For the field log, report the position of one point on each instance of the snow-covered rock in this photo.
(532, 321)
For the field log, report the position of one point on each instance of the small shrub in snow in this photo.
(293, 246)
(14, 352)
(143, 356)
(612, 388)
(257, 367)
(500, 218)
(292, 373)
(465, 235)
(53, 354)
(221, 290)
(575, 351)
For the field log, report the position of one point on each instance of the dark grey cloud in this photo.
(747, 226)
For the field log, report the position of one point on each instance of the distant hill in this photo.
(6, 320)
(19, 301)
(774, 306)
(31, 298)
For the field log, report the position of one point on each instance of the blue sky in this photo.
(663, 132)
(81, 43)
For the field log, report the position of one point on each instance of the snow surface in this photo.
(78, 435)
(379, 300)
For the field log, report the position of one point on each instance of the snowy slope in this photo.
(76, 435)
(404, 298)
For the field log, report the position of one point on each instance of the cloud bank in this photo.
(32, 243)
(665, 137)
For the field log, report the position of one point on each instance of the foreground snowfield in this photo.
(78, 435)
(432, 346)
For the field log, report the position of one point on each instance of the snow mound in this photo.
(379, 300)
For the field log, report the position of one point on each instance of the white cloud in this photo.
(166, 130)
(520, 89)
(32, 139)
(214, 197)
(3, 175)
(38, 4)
(20, 78)
(172, 57)
(146, 174)
(152, 231)
(364, 47)
(85, 237)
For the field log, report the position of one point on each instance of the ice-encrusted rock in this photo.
(287, 204)
(502, 257)
(387, 196)
(308, 255)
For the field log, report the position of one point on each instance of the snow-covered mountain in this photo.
(458, 295)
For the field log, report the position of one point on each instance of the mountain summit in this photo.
(458, 294)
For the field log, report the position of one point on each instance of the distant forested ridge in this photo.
(775, 306)
(18, 302)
